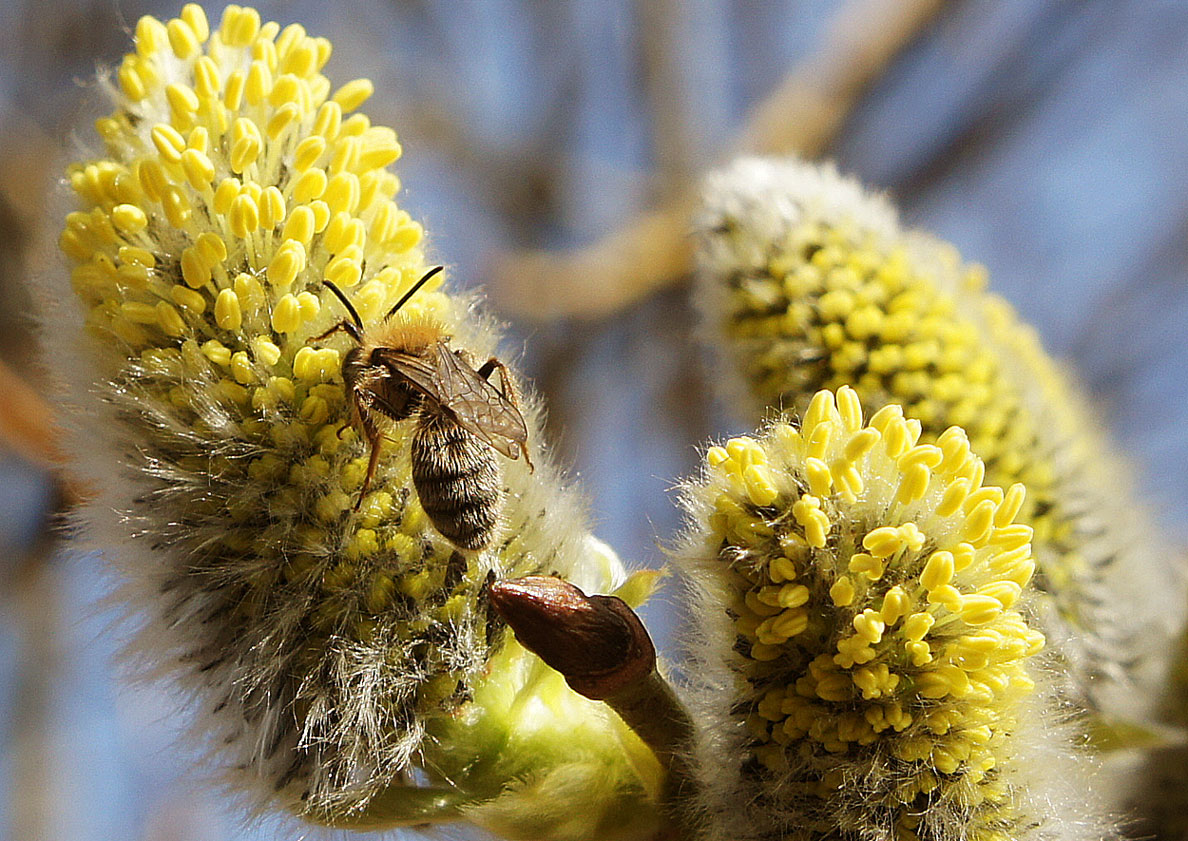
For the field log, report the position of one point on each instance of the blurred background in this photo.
(1046, 139)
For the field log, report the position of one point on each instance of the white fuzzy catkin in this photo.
(807, 281)
(321, 649)
(864, 666)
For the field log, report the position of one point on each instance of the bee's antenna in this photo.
(346, 302)
(413, 291)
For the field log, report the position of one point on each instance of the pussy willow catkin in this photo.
(807, 281)
(865, 670)
(329, 652)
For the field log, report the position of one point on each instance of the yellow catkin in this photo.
(910, 647)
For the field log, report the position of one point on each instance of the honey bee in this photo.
(405, 370)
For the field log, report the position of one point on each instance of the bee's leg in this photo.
(348, 326)
(507, 387)
(372, 434)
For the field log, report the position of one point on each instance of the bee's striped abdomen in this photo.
(457, 479)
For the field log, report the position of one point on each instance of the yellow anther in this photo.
(182, 39)
(244, 152)
(151, 36)
(195, 18)
(287, 88)
(781, 569)
(842, 591)
(978, 522)
(715, 456)
(913, 484)
(895, 605)
(139, 313)
(762, 652)
(259, 82)
(239, 26)
(169, 142)
(207, 81)
(925, 454)
(942, 681)
(344, 272)
(129, 218)
(310, 305)
(834, 688)
(880, 419)
(869, 626)
(342, 193)
(862, 563)
(188, 298)
(308, 152)
(284, 117)
(131, 83)
(979, 609)
(818, 440)
(286, 315)
(198, 168)
(991, 494)
(744, 451)
(1006, 592)
(861, 443)
(883, 542)
(131, 254)
(819, 476)
(328, 122)
(760, 488)
(225, 194)
(353, 94)
(234, 90)
(850, 408)
(228, 314)
(241, 368)
(1011, 503)
(895, 436)
(194, 268)
(938, 571)
(244, 216)
(821, 409)
(919, 652)
(265, 350)
(946, 595)
(272, 207)
(807, 512)
(917, 626)
(181, 98)
(310, 185)
(216, 352)
(212, 248)
(954, 498)
(1012, 537)
(379, 148)
(170, 319)
(286, 264)
(314, 410)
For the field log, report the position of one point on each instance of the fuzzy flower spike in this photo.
(807, 281)
(867, 671)
(333, 643)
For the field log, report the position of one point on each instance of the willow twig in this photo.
(802, 116)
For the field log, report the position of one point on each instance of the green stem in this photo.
(652, 709)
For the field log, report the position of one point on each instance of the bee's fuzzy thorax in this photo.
(410, 333)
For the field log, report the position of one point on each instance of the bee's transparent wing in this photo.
(475, 404)
(478, 406)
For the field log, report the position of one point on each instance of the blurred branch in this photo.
(28, 428)
(802, 116)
